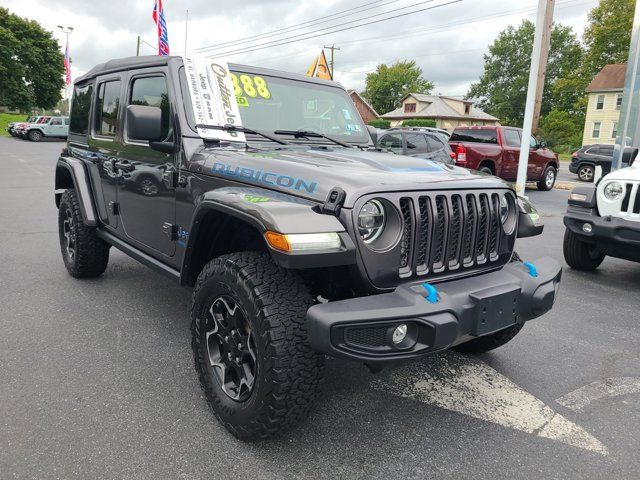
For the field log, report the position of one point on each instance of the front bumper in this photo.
(361, 328)
(613, 236)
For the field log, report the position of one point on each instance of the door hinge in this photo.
(170, 230)
(115, 208)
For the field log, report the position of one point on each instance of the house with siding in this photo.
(604, 105)
(448, 112)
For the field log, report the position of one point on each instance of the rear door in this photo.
(147, 203)
(417, 145)
(510, 153)
(604, 155)
(56, 128)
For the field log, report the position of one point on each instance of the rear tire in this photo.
(586, 173)
(485, 169)
(85, 255)
(34, 135)
(580, 255)
(256, 367)
(548, 179)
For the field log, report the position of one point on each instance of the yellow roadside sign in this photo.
(320, 67)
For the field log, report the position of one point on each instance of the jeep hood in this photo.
(311, 172)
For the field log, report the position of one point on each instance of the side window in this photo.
(392, 142)
(606, 151)
(435, 144)
(80, 106)
(56, 121)
(152, 92)
(533, 143)
(107, 108)
(416, 143)
(512, 138)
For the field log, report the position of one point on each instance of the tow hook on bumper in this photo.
(407, 322)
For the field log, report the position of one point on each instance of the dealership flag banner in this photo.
(67, 66)
(161, 23)
(213, 98)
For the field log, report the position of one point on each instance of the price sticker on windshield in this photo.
(252, 86)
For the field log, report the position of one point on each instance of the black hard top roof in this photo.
(129, 63)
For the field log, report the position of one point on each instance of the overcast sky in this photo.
(447, 41)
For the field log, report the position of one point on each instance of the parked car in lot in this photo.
(416, 143)
(604, 219)
(12, 125)
(20, 128)
(56, 127)
(299, 238)
(584, 161)
(496, 150)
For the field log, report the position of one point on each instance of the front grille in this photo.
(631, 203)
(455, 231)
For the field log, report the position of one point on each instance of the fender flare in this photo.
(80, 182)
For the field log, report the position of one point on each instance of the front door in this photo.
(511, 153)
(146, 200)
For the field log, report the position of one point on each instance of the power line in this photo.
(291, 28)
(297, 39)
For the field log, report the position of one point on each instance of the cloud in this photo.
(447, 42)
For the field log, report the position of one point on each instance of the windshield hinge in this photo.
(333, 204)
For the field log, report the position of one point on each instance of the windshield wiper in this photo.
(236, 128)
(310, 133)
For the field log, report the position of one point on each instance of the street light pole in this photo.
(67, 31)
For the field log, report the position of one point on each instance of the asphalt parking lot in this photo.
(97, 381)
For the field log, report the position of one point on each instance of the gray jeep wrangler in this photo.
(301, 240)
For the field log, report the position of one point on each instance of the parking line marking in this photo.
(610, 387)
(467, 386)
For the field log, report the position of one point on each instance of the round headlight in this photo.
(613, 191)
(504, 209)
(371, 220)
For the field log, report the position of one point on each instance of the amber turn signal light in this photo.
(278, 241)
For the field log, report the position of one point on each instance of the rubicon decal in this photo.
(266, 178)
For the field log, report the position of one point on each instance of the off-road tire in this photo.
(580, 255)
(288, 372)
(542, 183)
(489, 342)
(34, 136)
(91, 253)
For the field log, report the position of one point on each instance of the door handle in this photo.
(123, 165)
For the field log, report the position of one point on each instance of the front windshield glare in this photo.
(270, 103)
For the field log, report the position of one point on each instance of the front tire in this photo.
(250, 345)
(580, 255)
(84, 254)
(34, 135)
(548, 179)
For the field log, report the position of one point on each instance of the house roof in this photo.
(611, 77)
(353, 92)
(436, 107)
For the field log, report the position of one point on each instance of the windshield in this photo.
(271, 103)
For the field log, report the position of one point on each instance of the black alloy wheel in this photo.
(69, 234)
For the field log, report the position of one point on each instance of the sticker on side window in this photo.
(212, 97)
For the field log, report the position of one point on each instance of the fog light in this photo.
(587, 228)
(399, 334)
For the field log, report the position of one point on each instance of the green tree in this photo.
(388, 84)
(561, 128)
(31, 64)
(502, 88)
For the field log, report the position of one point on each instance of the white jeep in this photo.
(604, 219)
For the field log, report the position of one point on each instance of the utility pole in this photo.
(544, 55)
(186, 27)
(332, 48)
(138, 47)
(629, 124)
(67, 31)
(534, 78)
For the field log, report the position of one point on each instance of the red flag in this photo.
(67, 66)
(161, 23)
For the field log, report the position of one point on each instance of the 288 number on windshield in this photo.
(250, 86)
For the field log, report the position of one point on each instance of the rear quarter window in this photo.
(80, 108)
(474, 135)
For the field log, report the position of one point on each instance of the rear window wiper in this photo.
(236, 128)
(310, 133)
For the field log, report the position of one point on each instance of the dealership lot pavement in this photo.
(97, 381)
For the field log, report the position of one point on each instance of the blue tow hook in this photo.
(533, 271)
(432, 293)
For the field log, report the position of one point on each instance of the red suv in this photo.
(496, 150)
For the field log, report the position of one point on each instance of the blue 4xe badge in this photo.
(183, 235)
(266, 178)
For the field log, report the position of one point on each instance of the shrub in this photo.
(379, 123)
(419, 123)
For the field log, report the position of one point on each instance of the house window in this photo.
(409, 107)
(614, 130)
(600, 103)
(619, 102)
(596, 130)
(467, 109)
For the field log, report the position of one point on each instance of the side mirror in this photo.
(144, 123)
(543, 144)
(529, 222)
(373, 133)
